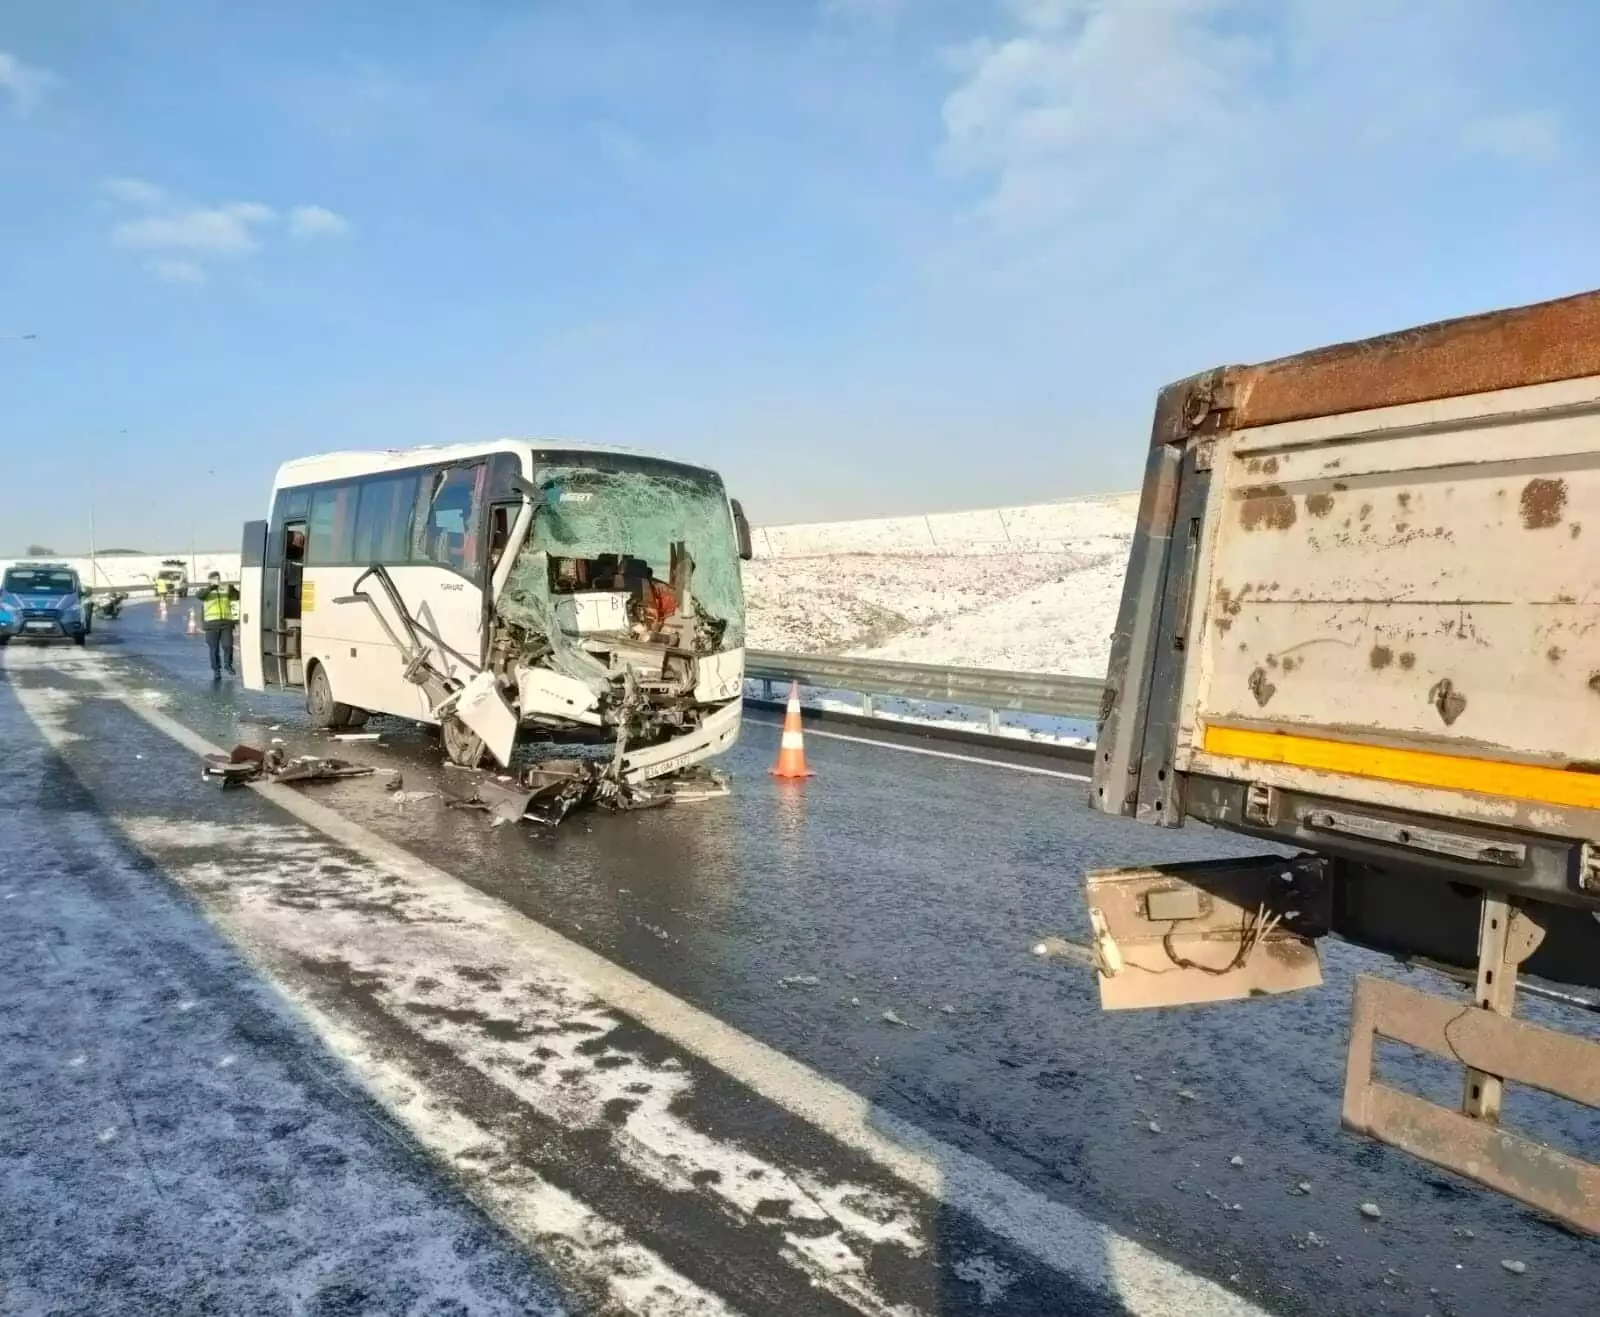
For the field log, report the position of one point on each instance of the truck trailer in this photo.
(1361, 623)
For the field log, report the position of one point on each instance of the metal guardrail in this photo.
(979, 688)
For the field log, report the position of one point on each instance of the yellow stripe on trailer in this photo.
(1416, 768)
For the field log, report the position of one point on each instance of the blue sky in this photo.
(862, 255)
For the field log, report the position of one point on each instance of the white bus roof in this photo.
(360, 462)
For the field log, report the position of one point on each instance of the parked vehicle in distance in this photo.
(505, 591)
(172, 579)
(1359, 621)
(43, 601)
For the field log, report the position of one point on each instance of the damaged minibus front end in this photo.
(616, 623)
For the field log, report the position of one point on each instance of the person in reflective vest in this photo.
(218, 608)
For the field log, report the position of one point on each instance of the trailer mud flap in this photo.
(1551, 1181)
(1216, 930)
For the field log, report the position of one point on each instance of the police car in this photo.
(43, 601)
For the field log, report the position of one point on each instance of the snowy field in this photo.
(1045, 603)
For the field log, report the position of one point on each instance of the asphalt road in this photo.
(787, 1052)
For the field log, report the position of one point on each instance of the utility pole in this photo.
(94, 565)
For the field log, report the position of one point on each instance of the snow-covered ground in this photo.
(1043, 605)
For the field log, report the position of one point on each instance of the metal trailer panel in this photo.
(1407, 601)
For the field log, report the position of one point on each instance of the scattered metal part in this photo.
(799, 981)
(356, 736)
(248, 763)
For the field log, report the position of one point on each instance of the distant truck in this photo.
(1362, 621)
(172, 579)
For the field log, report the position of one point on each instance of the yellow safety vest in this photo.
(215, 608)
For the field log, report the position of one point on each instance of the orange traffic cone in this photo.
(792, 749)
(191, 629)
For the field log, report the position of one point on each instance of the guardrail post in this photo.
(766, 689)
(866, 703)
(994, 722)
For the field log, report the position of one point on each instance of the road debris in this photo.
(799, 981)
(547, 791)
(1154, 1127)
(404, 798)
(889, 1017)
(1301, 1189)
(248, 763)
(356, 736)
(1188, 1095)
(1371, 1211)
(1515, 1267)
(1236, 1161)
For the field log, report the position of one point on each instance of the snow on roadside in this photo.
(1023, 607)
(1063, 625)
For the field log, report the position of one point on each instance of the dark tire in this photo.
(462, 745)
(81, 639)
(358, 718)
(325, 711)
(4, 641)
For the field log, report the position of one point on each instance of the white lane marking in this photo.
(473, 990)
(636, 1279)
(1058, 1236)
(939, 754)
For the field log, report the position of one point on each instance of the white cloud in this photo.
(23, 83)
(316, 222)
(183, 241)
(1129, 116)
(1061, 109)
(197, 232)
(1531, 137)
(135, 192)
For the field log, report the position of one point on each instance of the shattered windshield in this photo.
(619, 518)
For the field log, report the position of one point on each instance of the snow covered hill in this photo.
(1043, 599)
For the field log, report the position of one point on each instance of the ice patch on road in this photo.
(988, 1276)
